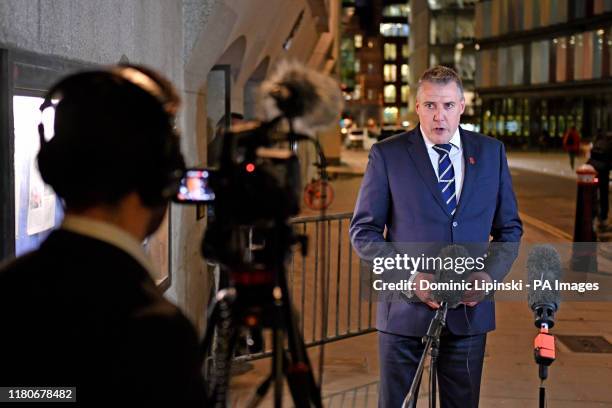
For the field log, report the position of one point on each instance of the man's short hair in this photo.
(441, 75)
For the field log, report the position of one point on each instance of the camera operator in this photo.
(83, 310)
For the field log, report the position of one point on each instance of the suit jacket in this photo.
(400, 192)
(81, 312)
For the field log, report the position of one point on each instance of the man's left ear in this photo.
(462, 105)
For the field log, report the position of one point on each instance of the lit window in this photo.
(405, 93)
(358, 40)
(370, 68)
(435, 4)
(404, 72)
(370, 94)
(394, 29)
(357, 66)
(405, 51)
(396, 10)
(390, 72)
(390, 52)
(390, 114)
(349, 12)
(370, 44)
(357, 92)
(390, 93)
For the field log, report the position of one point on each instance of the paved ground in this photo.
(546, 194)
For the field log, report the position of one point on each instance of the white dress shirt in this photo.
(456, 156)
(112, 235)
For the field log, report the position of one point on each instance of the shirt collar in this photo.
(112, 235)
(455, 140)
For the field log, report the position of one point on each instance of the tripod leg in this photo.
(277, 365)
(260, 393)
(432, 381)
(415, 397)
(300, 376)
(413, 394)
(262, 389)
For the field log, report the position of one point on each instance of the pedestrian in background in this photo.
(601, 160)
(571, 144)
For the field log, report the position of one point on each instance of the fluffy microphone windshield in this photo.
(449, 276)
(312, 99)
(543, 270)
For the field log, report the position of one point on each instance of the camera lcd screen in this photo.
(195, 187)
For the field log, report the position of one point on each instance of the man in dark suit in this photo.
(83, 310)
(436, 184)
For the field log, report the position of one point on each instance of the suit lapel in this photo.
(471, 158)
(418, 153)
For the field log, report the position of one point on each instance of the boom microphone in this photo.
(543, 271)
(451, 296)
(311, 99)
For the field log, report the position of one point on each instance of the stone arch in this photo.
(234, 56)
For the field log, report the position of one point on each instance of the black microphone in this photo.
(543, 272)
(452, 279)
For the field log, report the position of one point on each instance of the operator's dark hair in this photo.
(112, 136)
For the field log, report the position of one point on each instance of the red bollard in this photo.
(584, 257)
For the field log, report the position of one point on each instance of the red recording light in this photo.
(250, 167)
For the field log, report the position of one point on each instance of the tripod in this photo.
(241, 306)
(432, 345)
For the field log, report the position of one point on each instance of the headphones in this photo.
(159, 180)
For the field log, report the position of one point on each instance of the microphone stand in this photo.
(432, 341)
(544, 345)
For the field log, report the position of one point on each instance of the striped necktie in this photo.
(446, 176)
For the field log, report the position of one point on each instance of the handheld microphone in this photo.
(543, 272)
(451, 277)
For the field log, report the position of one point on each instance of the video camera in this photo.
(257, 185)
(251, 197)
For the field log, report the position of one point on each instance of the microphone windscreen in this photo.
(454, 255)
(543, 270)
(313, 98)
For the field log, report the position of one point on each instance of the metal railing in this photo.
(362, 396)
(347, 312)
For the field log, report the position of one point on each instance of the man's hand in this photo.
(473, 296)
(424, 295)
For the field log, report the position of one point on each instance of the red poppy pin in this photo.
(472, 160)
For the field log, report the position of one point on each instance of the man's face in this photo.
(439, 108)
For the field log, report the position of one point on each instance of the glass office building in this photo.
(443, 34)
(543, 66)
